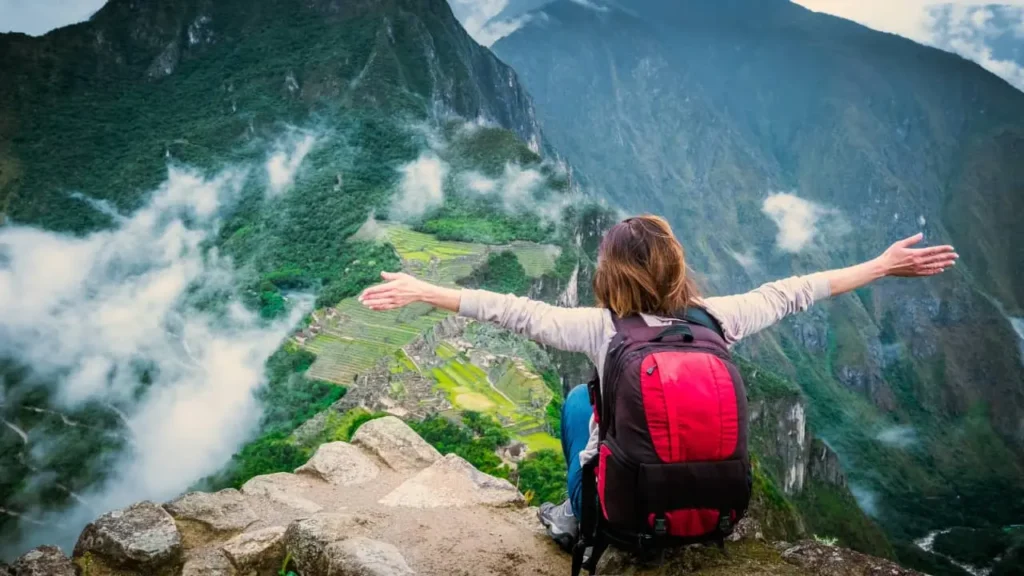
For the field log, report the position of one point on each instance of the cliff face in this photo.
(387, 504)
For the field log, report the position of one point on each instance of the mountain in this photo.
(178, 180)
(781, 141)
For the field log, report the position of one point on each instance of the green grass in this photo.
(541, 441)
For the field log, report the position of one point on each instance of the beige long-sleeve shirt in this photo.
(590, 330)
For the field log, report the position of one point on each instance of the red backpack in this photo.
(672, 468)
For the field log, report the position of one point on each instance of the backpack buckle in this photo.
(660, 527)
(725, 523)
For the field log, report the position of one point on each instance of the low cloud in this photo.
(798, 220)
(519, 189)
(421, 187)
(87, 312)
(747, 260)
(898, 436)
(284, 163)
(590, 4)
(866, 499)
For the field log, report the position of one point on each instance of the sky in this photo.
(991, 37)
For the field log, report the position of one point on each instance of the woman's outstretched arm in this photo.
(573, 329)
(901, 259)
(745, 314)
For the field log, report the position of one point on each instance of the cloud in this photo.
(87, 312)
(591, 5)
(747, 260)
(797, 220)
(519, 189)
(421, 187)
(898, 436)
(966, 27)
(866, 499)
(283, 164)
(36, 17)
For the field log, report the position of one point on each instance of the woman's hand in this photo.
(401, 289)
(907, 262)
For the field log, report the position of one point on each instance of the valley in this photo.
(193, 193)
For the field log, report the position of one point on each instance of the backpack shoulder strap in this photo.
(699, 316)
(624, 324)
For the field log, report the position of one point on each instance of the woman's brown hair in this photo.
(642, 269)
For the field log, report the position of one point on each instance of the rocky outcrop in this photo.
(256, 552)
(364, 557)
(781, 438)
(208, 562)
(43, 561)
(142, 537)
(418, 513)
(307, 539)
(825, 560)
(201, 516)
(341, 464)
(395, 444)
(451, 481)
(283, 489)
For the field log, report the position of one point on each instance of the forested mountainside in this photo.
(780, 141)
(179, 179)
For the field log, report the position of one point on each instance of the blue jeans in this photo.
(576, 412)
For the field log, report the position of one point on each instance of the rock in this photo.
(746, 529)
(282, 488)
(256, 551)
(201, 516)
(825, 560)
(141, 537)
(208, 562)
(396, 444)
(341, 464)
(5, 570)
(364, 557)
(452, 481)
(306, 539)
(42, 561)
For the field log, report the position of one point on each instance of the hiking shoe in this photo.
(560, 522)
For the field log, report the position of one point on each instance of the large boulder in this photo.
(396, 444)
(824, 560)
(258, 551)
(341, 464)
(42, 561)
(364, 557)
(306, 539)
(284, 489)
(142, 537)
(202, 517)
(6, 570)
(208, 562)
(451, 481)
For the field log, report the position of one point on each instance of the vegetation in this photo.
(542, 477)
(475, 439)
(831, 510)
(502, 273)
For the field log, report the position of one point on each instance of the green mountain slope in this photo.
(702, 110)
(322, 113)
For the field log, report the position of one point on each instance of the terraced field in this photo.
(353, 339)
(522, 386)
(350, 339)
(468, 388)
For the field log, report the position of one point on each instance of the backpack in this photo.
(672, 467)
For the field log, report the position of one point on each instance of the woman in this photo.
(642, 270)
